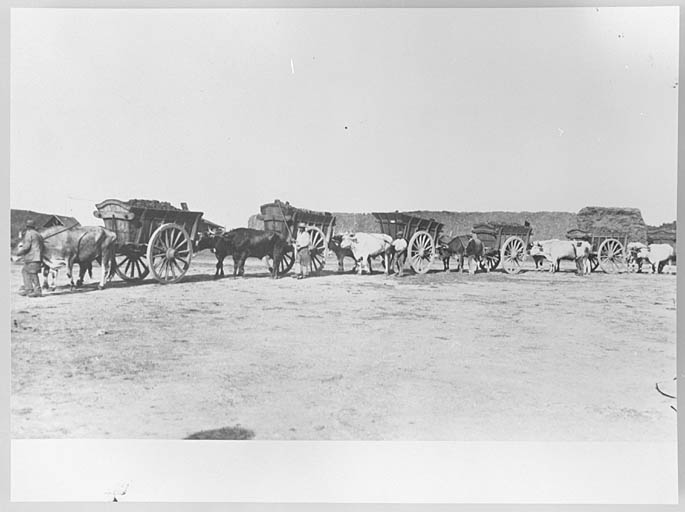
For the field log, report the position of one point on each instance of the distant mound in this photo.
(596, 219)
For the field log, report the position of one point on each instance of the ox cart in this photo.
(153, 240)
(503, 244)
(283, 218)
(421, 233)
(608, 249)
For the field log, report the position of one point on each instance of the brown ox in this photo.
(63, 247)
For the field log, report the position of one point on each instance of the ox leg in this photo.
(70, 274)
(386, 261)
(241, 270)
(341, 266)
(81, 275)
(51, 279)
(46, 274)
(103, 274)
(236, 265)
(266, 259)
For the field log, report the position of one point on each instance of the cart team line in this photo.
(137, 241)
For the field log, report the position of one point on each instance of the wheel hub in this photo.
(170, 254)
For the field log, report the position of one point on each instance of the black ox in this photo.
(243, 243)
(461, 247)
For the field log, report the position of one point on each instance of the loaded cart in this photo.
(421, 233)
(150, 239)
(504, 244)
(283, 218)
(608, 249)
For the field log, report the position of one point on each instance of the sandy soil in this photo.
(430, 357)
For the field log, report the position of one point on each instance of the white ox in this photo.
(658, 255)
(368, 245)
(556, 250)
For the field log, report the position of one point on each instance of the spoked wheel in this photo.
(169, 252)
(421, 251)
(594, 262)
(612, 258)
(513, 254)
(318, 248)
(287, 261)
(490, 261)
(131, 264)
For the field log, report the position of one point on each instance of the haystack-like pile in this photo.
(151, 203)
(618, 221)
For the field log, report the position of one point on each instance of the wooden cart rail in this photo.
(135, 225)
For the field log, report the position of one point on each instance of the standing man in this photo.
(399, 246)
(32, 251)
(302, 250)
(473, 252)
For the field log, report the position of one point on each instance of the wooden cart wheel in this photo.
(318, 245)
(513, 254)
(490, 261)
(287, 261)
(421, 251)
(169, 252)
(612, 258)
(131, 265)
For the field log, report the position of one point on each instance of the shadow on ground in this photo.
(224, 434)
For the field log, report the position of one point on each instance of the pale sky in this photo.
(345, 110)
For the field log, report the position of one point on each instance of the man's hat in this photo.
(301, 225)
(30, 223)
(400, 234)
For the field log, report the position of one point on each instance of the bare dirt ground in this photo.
(439, 356)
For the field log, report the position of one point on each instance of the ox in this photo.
(368, 245)
(539, 260)
(341, 254)
(243, 243)
(637, 254)
(449, 248)
(63, 247)
(557, 250)
(461, 246)
(658, 256)
(474, 254)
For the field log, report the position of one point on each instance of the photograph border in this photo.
(5, 389)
